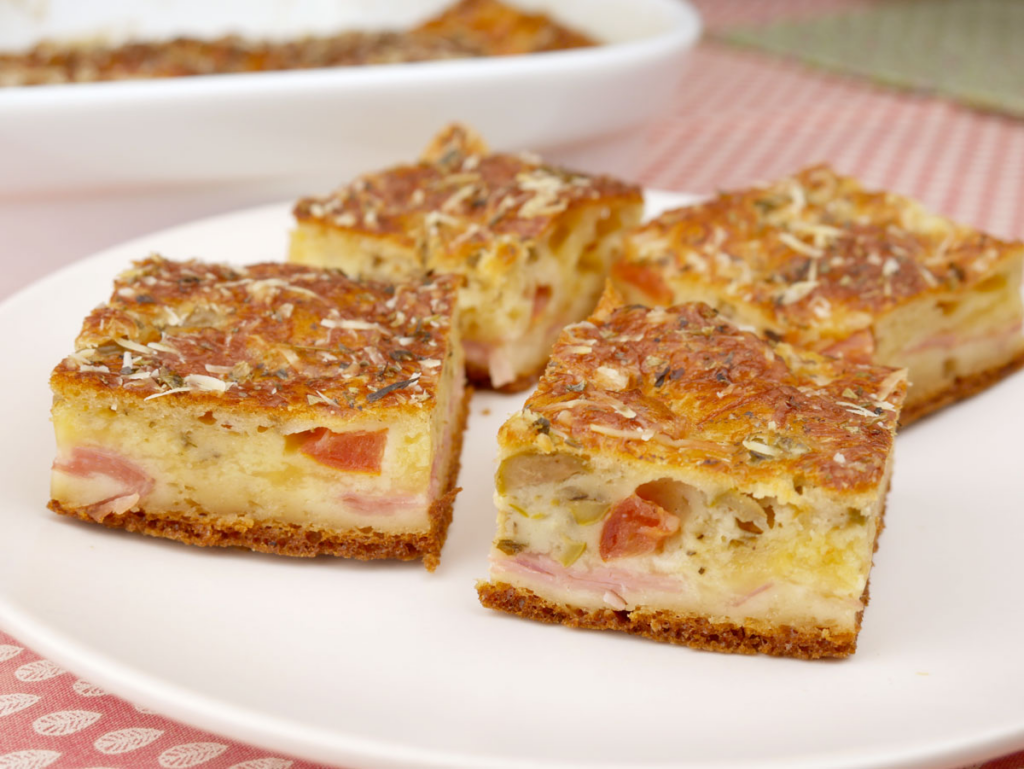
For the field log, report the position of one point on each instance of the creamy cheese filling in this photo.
(936, 362)
(166, 461)
(774, 601)
(733, 556)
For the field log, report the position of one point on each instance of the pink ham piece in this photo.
(617, 581)
(378, 504)
(541, 300)
(857, 348)
(951, 339)
(92, 461)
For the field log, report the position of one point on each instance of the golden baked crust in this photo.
(459, 200)
(267, 337)
(816, 255)
(469, 29)
(750, 637)
(818, 261)
(199, 528)
(682, 386)
(501, 30)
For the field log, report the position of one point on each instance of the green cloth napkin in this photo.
(970, 50)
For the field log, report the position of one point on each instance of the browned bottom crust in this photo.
(749, 637)
(962, 387)
(200, 528)
(685, 629)
(481, 378)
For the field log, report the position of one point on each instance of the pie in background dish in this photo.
(497, 29)
(820, 262)
(534, 243)
(466, 30)
(275, 407)
(680, 479)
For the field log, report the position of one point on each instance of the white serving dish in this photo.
(582, 107)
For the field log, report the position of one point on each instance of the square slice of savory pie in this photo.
(679, 479)
(534, 243)
(275, 407)
(820, 262)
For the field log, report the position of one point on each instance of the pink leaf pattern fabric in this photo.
(28, 759)
(64, 722)
(39, 670)
(192, 754)
(126, 740)
(12, 703)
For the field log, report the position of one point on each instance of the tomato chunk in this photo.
(646, 278)
(357, 452)
(636, 526)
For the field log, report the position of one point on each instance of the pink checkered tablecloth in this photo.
(741, 116)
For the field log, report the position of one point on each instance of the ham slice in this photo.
(857, 348)
(382, 505)
(93, 461)
(951, 339)
(602, 580)
(541, 299)
(491, 357)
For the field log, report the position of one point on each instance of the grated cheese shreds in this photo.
(350, 325)
(630, 435)
(208, 383)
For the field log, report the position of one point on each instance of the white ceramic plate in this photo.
(376, 664)
(582, 107)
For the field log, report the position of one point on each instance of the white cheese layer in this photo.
(246, 466)
(734, 557)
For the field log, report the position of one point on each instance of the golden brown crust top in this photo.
(501, 30)
(680, 385)
(278, 336)
(472, 28)
(816, 249)
(461, 200)
(51, 62)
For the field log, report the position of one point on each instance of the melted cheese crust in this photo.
(301, 341)
(682, 386)
(816, 259)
